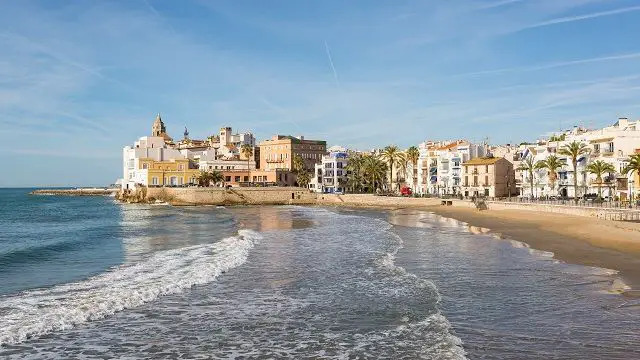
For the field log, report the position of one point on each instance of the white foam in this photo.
(37, 312)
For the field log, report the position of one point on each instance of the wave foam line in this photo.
(38, 312)
(448, 345)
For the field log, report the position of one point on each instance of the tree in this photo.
(529, 166)
(413, 154)
(598, 168)
(354, 168)
(552, 164)
(247, 151)
(299, 169)
(297, 163)
(303, 178)
(402, 164)
(632, 167)
(216, 177)
(206, 178)
(375, 171)
(574, 150)
(391, 155)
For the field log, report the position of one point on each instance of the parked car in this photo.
(405, 191)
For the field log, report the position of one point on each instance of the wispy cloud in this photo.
(333, 68)
(568, 19)
(554, 65)
(498, 4)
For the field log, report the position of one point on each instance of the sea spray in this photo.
(38, 312)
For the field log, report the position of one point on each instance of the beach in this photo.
(572, 239)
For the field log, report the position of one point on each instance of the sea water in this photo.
(88, 277)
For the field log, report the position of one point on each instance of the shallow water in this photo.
(278, 282)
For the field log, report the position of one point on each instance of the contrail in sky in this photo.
(335, 73)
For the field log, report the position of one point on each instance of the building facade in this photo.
(278, 152)
(488, 177)
(331, 174)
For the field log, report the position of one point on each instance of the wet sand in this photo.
(572, 239)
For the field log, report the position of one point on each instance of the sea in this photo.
(87, 277)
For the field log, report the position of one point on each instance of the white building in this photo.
(330, 175)
(147, 147)
(612, 144)
(439, 165)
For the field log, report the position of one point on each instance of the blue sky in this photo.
(81, 79)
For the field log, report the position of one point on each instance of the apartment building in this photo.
(488, 177)
(612, 144)
(277, 153)
(439, 165)
(331, 174)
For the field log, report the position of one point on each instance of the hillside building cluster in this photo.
(444, 168)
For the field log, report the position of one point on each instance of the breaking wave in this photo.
(37, 312)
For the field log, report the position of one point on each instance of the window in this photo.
(180, 180)
(486, 192)
(486, 168)
(145, 166)
(466, 181)
(154, 180)
(486, 181)
(227, 178)
(180, 167)
(596, 148)
(237, 179)
(610, 147)
(475, 181)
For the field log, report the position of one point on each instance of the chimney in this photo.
(623, 122)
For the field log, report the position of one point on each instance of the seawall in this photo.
(76, 192)
(233, 196)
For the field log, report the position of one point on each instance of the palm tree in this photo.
(413, 154)
(401, 163)
(375, 171)
(247, 151)
(216, 177)
(390, 154)
(632, 167)
(574, 150)
(598, 168)
(206, 178)
(203, 178)
(529, 166)
(355, 172)
(552, 164)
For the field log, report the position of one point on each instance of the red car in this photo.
(405, 191)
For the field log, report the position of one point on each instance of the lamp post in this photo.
(631, 181)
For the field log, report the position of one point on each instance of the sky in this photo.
(81, 79)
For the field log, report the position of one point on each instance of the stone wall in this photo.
(233, 196)
(373, 200)
(562, 209)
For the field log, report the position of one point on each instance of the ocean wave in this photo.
(436, 328)
(37, 312)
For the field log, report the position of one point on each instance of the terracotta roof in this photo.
(482, 161)
(452, 145)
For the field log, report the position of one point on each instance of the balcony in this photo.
(275, 160)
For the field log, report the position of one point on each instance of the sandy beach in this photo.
(573, 239)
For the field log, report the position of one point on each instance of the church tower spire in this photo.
(158, 128)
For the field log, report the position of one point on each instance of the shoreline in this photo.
(580, 238)
(572, 239)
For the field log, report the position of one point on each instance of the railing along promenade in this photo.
(570, 202)
(608, 210)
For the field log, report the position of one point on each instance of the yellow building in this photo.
(174, 172)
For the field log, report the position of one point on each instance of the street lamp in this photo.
(631, 181)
